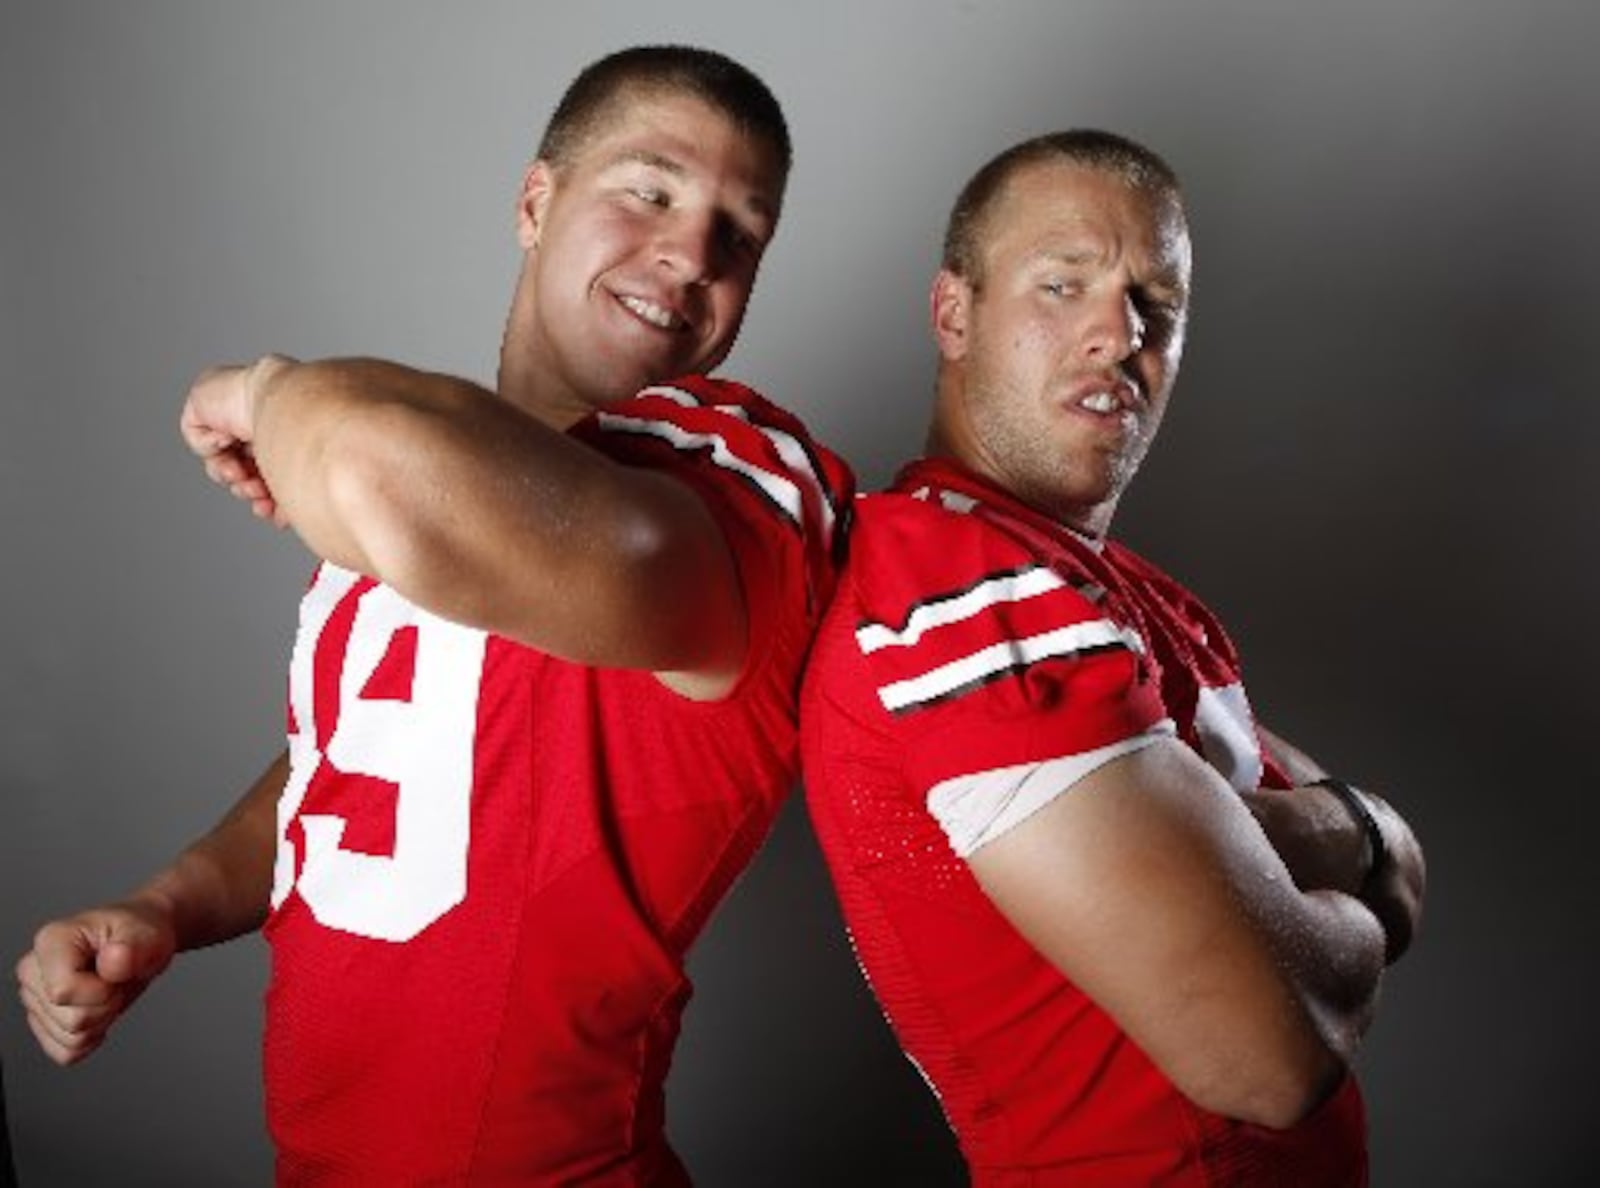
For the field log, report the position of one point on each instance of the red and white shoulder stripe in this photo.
(994, 629)
(957, 609)
(739, 432)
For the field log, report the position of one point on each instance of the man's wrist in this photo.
(1355, 803)
(254, 381)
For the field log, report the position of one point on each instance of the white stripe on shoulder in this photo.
(788, 445)
(676, 395)
(975, 809)
(794, 454)
(799, 461)
(687, 399)
(1009, 655)
(941, 612)
(779, 491)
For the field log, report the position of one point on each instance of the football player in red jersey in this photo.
(542, 698)
(1128, 936)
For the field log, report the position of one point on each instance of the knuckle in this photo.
(70, 1054)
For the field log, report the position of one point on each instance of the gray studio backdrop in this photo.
(1381, 467)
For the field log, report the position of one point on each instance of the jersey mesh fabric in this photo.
(1040, 1085)
(517, 1026)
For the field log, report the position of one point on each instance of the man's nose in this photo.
(688, 245)
(1116, 329)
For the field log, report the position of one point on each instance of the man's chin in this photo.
(622, 382)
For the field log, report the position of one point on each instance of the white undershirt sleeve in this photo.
(975, 809)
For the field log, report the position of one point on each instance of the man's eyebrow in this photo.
(759, 202)
(1167, 282)
(763, 206)
(652, 159)
(1073, 256)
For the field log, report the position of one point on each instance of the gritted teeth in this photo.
(650, 312)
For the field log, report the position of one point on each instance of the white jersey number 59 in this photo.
(423, 746)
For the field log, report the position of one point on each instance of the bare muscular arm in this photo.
(1151, 886)
(479, 512)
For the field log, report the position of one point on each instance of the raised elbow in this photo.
(1275, 1092)
(1286, 1105)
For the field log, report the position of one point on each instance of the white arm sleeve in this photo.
(975, 809)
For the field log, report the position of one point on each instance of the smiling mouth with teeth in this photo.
(1101, 402)
(649, 311)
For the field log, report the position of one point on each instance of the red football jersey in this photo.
(491, 861)
(973, 638)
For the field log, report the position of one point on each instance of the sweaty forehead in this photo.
(678, 128)
(1093, 214)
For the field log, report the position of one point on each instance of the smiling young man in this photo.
(542, 699)
(1118, 939)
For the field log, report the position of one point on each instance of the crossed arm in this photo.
(1325, 848)
(468, 507)
(1154, 887)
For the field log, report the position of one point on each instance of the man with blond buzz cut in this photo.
(1129, 937)
(542, 698)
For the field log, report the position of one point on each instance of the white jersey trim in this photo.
(781, 492)
(794, 454)
(975, 809)
(1007, 656)
(798, 461)
(1227, 732)
(1010, 587)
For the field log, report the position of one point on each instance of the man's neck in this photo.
(1094, 521)
(523, 379)
(522, 384)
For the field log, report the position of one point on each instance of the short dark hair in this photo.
(1138, 166)
(713, 78)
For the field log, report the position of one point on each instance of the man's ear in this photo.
(950, 304)
(533, 201)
